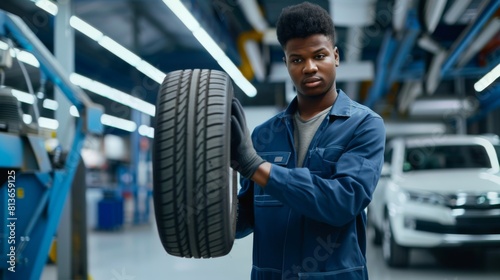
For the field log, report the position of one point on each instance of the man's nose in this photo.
(310, 67)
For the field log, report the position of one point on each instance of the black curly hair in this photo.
(303, 20)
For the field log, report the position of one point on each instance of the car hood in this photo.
(446, 181)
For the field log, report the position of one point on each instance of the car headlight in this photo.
(427, 198)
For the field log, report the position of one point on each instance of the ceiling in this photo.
(393, 52)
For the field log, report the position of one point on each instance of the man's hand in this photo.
(244, 158)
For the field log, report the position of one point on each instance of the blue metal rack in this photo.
(37, 190)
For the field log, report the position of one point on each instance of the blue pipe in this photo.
(60, 190)
(481, 20)
(380, 83)
(411, 34)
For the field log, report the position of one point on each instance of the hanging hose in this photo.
(28, 82)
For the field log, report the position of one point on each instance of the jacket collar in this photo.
(341, 107)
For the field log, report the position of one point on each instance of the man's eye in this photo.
(320, 56)
(296, 60)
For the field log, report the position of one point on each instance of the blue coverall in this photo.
(309, 222)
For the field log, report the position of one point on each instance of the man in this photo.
(309, 172)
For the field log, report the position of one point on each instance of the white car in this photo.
(436, 192)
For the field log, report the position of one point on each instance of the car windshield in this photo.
(446, 157)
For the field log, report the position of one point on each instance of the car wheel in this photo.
(377, 233)
(194, 192)
(394, 254)
(377, 236)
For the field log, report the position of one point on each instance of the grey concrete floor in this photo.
(135, 253)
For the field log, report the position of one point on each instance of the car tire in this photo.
(377, 233)
(377, 236)
(394, 254)
(194, 191)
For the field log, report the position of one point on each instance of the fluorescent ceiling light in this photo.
(48, 123)
(85, 28)
(47, 6)
(119, 50)
(73, 111)
(183, 14)
(228, 66)
(23, 96)
(25, 57)
(147, 131)
(487, 79)
(96, 87)
(115, 48)
(211, 46)
(152, 72)
(50, 104)
(113, 94)
(27, 119)
(119, 123)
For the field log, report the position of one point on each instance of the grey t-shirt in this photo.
(304, 132)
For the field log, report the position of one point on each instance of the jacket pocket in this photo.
(271, 217)
(353, 273)
(280, 158)
(323, 161)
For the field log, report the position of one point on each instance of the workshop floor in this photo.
(135, 253)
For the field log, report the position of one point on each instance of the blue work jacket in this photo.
(309, 222)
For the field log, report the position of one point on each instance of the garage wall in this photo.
(257, 115)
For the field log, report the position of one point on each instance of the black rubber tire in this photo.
(194, 190)
(377, 233)
(377, 236)
(395, 255)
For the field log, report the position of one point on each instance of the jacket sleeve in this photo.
(245, 216)
(338, 199)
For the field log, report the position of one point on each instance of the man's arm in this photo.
(261, 175)
(338, 199)
(335, 200)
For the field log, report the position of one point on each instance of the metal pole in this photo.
(64, 50)
(462, 115)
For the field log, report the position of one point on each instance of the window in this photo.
(446, 157)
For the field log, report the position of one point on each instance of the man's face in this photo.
(311, 63)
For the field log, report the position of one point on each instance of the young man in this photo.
(310, 171)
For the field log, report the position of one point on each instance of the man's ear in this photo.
(337, 56)
(284, 59)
